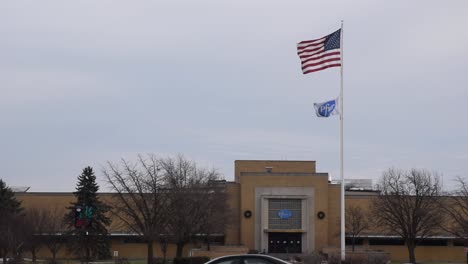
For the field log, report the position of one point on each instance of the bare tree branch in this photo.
(455, 208)
(139, 200)
(356, 222)
(408, 205)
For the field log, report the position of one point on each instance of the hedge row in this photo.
(190, 260)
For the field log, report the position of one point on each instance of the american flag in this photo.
(320, 54)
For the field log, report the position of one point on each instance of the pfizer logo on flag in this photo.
(327, 108)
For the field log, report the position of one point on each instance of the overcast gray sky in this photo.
(85, 82)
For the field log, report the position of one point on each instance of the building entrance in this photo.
(284, 242)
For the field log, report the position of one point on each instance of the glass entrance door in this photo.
(284, 242)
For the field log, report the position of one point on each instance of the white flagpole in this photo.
(343, 245)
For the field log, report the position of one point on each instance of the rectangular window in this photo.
(357, 241)
(386, 242)
(432, 242)
(133, 239)
(284, 213)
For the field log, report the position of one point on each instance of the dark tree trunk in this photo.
(180, 249)
(163, 242)
(33, 253)
(208, 242)
(87, 254)
(412, 256)
(150, 252)
(353, 242)
(54, 256)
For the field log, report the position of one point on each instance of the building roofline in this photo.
(279, 160)
(255, 173)
(55, 193)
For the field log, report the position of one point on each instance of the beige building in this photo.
(277, 207)
(285, 207)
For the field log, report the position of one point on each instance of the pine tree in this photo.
(90, 240)
(10, 209)
(8, 203)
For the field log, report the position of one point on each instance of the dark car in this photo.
(247, 259)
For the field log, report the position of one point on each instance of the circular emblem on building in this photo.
(284, 214)
(247, 214)
(321, 215)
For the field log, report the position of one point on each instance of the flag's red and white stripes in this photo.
(314, 57)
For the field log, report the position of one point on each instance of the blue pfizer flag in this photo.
(328, 108)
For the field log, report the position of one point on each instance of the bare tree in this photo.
(139, 198)
(356, 222)
(455, 207)
(14, 236)
(53, 232)
(34, 223)
(189, 191)
(407, 205)
(216, 215)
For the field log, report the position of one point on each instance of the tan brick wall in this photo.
(247, 196)
(279, 166)
(424, 253)
(125, 250)
(45, 200)
(232, 235)
(59, 201)
(334, 206)
(400, 253)
(242, 197)
(284, 174)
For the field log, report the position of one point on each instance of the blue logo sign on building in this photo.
(284, 214)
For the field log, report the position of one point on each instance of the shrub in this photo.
(122, 261)
(378, 258)
(15, 260)
(158, 261)
(356, 259)
(334, 259)
(313, 258)
(361, 258)
(297, 259)
(191, 260)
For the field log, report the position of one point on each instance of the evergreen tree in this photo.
(8, 203)
(90, 239)
(10, 209)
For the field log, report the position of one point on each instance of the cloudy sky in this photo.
(85, 82)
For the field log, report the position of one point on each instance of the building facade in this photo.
(276, 207)
(286, 207)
